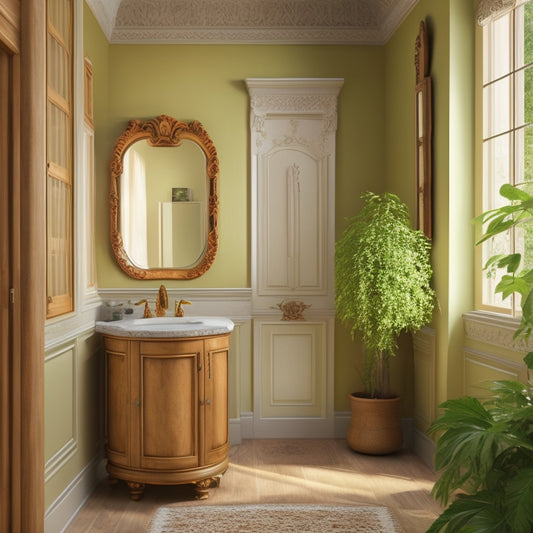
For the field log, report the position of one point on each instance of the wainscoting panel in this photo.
(481, 367)
(60, 399)
(292, 379)
(424, 354)
(73, 425)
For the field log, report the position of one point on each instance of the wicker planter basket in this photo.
(375, 425)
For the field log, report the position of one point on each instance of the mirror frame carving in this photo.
(164, 131)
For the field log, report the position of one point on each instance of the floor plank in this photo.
(281, 471)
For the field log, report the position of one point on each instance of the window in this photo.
(59, 234)
(507, 132)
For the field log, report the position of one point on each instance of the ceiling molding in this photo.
(105, 12)
(341, 22)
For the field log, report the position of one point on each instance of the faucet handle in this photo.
(147, 312)
(178, 311)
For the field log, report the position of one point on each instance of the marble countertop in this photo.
(166, 327)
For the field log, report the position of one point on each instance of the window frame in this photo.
(485, 297)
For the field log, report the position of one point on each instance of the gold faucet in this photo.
(161, 303)
(147, 312)
(178, 311)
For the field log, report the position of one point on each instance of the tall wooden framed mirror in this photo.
(423, 135)
(163, 199)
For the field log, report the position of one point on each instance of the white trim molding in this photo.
(232, 303)
(64, 509)
(495, 329)
(488, 10)
(344, 22)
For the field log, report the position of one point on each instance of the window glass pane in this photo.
(524, 34)
(524, 155)
(496, 107)
(501, 244)
(524, 97)
(497, 44)
(497, 165)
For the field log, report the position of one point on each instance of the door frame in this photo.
(22, 289)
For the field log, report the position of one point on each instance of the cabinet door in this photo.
(292, 223)
(169, 391)
(118, 397)
(215, 429)
(293, 372)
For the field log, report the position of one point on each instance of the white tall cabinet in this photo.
(293, 123)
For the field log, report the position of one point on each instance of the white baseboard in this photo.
(247, 425)
(62, 511)
(235, 436)
(342, 422)
(424, 447)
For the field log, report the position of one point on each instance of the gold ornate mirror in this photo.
(163, 199)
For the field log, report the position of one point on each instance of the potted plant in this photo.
(485, 448)
(383, 274)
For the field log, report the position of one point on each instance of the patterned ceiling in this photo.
(250, 21)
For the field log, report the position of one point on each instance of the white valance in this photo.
(488, 10)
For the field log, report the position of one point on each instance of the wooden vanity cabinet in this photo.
(167, 411)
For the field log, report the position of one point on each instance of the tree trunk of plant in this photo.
(375, 425)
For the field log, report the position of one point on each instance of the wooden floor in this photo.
(322, 471)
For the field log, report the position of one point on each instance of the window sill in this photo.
(495, 329)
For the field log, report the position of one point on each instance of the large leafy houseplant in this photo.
(383, 274)
(485, 451)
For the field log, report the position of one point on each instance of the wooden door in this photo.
(5, 285)
(170, 374)
(215, 428)
(22, 255)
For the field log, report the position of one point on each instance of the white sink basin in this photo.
(168, 326)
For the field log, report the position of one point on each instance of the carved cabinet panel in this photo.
(293, 125)
(293, 215)
(167, 411)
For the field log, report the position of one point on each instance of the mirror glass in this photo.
(163, 199)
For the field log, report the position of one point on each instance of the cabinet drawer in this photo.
(162, 347)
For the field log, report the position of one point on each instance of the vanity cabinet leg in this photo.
(202, 487)
(136, 490)
(215, 481)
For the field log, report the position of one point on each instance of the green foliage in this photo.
(519, 213)
(485, 449)
(383, 274)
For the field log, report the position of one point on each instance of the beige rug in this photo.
(274, 518)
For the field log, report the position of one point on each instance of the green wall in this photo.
(451, 28)
(374, 150)
(206, 83)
